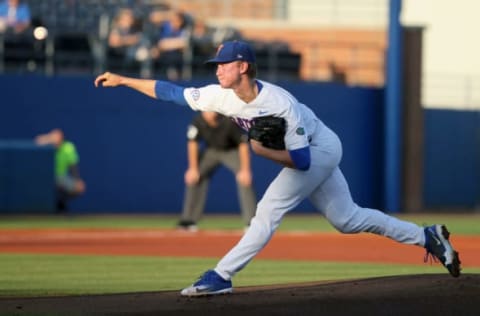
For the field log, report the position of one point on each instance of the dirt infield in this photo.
(418, 294)
(300, 245)
(403, 295)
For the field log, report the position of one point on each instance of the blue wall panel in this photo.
(27, 181)
(452, 159)
(133, 152)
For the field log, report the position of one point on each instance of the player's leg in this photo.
(67, 187)
(196, 194)
(278, 199)
(61, 200)
(195, 197)
(248, 202)
(333, 198)
(287, 190)
(246, 194)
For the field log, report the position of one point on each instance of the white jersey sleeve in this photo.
(208, 98)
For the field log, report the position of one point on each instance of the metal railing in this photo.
(93, 17)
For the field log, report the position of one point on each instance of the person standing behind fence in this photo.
(223, 144)
(67, 175)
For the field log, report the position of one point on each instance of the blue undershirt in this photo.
(167, 91)
(301, 158)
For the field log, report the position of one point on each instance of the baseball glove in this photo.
(269, 130)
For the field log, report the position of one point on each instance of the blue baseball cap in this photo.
(233, 51)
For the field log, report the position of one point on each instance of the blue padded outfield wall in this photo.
(133, 152)
(452, 159)
(27, 179)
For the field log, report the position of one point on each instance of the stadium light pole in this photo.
(393, 110)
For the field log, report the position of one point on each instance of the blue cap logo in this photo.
(233, 51)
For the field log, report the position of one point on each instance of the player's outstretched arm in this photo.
(145, 86)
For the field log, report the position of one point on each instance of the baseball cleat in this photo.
(437, 244)
(210, 283)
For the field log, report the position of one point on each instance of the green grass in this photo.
(47, 275)
(44, 275)
(466, 224)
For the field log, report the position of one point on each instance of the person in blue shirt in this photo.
(172, 42)
(15, 16)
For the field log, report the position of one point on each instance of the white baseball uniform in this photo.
(323, 183)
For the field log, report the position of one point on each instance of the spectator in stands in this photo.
(214, 140)
(202, 39)
(203, 46)
(126, 39)
(68, 181)
(14, 16)
(171, 44)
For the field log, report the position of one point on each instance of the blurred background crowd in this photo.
(142, 37)
(329, 40)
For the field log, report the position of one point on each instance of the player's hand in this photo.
(257, 146)
(280, 156)
(108, 79)
(80, 186)
(192, 176)
(244, 177)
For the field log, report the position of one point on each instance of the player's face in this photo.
(228, 74)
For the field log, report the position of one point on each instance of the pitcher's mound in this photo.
(430, 294)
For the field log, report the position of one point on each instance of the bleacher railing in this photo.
(91, 19)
